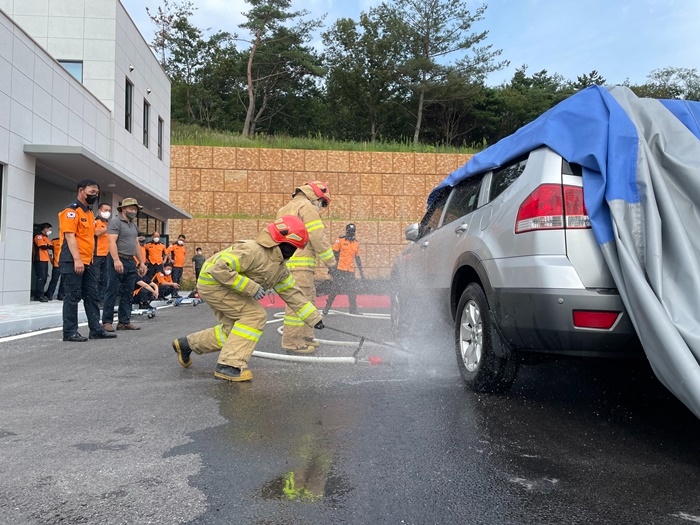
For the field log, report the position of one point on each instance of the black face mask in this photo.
(91, 199)
(287, 249)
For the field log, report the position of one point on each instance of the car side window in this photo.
(431, 219)
(465, 199)
(505, 176)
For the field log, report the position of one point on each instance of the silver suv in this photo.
(510, 256)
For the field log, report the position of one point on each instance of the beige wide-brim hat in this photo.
(129, 201)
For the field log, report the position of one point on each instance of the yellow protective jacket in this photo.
(302, 205)
(247, 266)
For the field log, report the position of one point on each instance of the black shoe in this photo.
(231, 373)
(183, 351)
(60, 297)
(47, 297)
(75, 338)
(42, 299)
(102, 334)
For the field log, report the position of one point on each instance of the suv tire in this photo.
(400, 313)
(485, 360)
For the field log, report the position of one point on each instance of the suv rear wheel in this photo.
(485, 361)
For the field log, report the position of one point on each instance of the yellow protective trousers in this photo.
(241, 323)
(297, 334)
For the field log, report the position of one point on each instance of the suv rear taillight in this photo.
(552, 207)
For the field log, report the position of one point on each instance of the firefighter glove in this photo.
(319, 325)
(259, 294)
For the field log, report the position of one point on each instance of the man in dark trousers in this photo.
(77, 224)
(42, 247)
(156, 254)
(99, 261)
(347, 252)
(123, 234)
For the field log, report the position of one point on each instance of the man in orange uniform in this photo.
(55, 273)
(155, 255)
(42, 245)
(77, 224)
(165, 282)
(177, 253)
(307, 201)
(347, 252)
(101, 249)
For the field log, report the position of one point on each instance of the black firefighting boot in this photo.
(183, 351)
(231, 373)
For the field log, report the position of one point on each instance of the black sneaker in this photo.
(231, 373)
(102, 334)
(75, 338)
(183, 351)
(42, 299)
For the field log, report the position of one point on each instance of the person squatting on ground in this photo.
(99, 261)
(165, 282)
(123, 233)
(41, 251)
(155, 256)
(306, 203)
(347, 253)
(145, 293)
(177, 253)
(55, 273)
(77, 225)
(232, 282)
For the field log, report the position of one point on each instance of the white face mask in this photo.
(180, 243)
(156, 239)
(319, 205)
(48, 232)
(105, 214)
(167, 272)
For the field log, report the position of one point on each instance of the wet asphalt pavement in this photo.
(117, 432)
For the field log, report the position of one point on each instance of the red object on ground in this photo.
(375, 360)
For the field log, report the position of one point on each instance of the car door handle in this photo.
(425, 245)
(462, 228)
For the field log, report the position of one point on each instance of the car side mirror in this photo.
(412, 232)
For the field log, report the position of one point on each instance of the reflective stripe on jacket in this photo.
(318, 245)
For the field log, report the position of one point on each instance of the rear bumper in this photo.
(541, 320)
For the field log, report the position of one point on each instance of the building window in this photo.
(128, 105)
(160, 138)
(74, 67)
(146, 120)
(148, 225)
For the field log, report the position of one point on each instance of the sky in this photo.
(621, 39)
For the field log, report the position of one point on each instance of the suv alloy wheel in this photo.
(479, 346)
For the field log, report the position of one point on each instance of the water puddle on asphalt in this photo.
(314, 481)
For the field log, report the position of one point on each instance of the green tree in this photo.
(671, 83)
(278, 54)
(588, 79)
(435, 31)
(362, 58)
(164, 19)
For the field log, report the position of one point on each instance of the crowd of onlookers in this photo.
(165, 264)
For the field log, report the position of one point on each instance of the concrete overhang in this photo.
(76, 163)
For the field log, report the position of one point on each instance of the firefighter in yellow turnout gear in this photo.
(307, 201)
(231, 283)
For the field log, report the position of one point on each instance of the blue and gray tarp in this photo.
(641, 181)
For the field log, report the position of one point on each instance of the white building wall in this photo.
(41, 103)
(102, 35)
